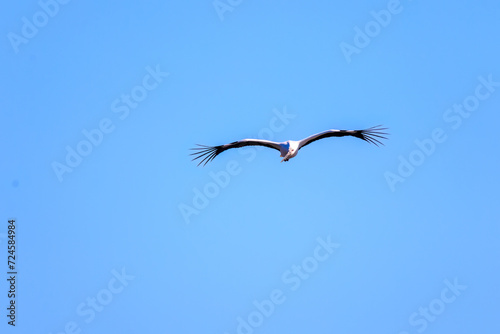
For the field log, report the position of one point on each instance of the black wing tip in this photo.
(375, 135)
(205, 153)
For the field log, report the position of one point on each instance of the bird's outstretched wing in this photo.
(372, 135)
(208, 153)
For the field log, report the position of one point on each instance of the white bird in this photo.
(289, 148)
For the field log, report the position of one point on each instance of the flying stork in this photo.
(289, 148)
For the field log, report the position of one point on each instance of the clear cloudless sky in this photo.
(118, 231)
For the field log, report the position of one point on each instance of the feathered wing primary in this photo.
(208, 153)
(289, 148)
(372, 135)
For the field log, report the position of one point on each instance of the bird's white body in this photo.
(289, 148)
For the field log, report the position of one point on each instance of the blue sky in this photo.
(118, 231)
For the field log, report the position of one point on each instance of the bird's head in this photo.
(290, 154)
